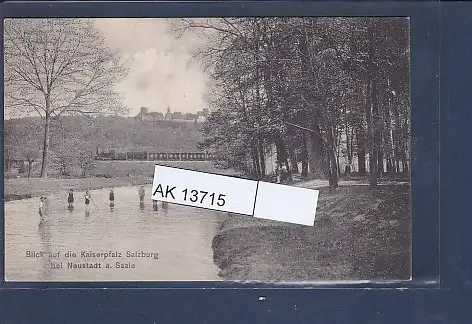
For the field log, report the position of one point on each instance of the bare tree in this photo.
(56, 67)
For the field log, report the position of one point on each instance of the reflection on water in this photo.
(181, 235)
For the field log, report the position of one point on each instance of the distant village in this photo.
(153, 116)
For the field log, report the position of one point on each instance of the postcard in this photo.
(320, 103)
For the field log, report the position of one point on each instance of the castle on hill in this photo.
(146, 116)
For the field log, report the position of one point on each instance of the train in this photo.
(113, 155)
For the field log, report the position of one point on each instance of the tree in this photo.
(65, 155)
(30, 155)
(56, 67)
(86, 161)
(313, 88)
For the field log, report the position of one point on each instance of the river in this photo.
(62, 246)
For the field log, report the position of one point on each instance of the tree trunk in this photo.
(370, 137)
(282, 155)
(289, 172)
(338, 150)
(380, 163)
(360, 136)
(390, 165)
(261, 157)
(348, 144)
(405, 163)
(377, 152)
(388, 135)
(396, 137)
(314, 143)
(333, 166)
(29, 168)
(293, 159)
(371, 132)
(7, 155)
(255, 162)
(315, 152)
(44, 160)
(304, 156)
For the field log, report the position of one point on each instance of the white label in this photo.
(247, 197)
(286, 203)
(206, 190)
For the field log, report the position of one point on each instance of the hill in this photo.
(104, 132)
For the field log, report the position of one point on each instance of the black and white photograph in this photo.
(91, 106)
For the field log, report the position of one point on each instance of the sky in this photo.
(161, 72)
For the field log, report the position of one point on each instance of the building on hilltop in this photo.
(177, 115)
(146, 116)
(168, 115)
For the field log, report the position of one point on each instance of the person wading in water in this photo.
(41, 210)
(112, 199)
(141, 193)
(87, 197)
(70, 199)
(165, 205)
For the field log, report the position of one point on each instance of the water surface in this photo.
(181, 236)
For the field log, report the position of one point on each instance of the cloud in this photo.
(160, 74)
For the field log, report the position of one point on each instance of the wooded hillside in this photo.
(77, 136)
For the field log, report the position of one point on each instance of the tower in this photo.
(168, 113)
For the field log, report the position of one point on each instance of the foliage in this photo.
(313, 88)
(102, 132)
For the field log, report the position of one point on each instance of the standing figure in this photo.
(112, 199)
(283, 173)
(141, 194)
(347, 170)
(154, 205)
(70, 199)
(87, 197)
(141, 197)
(41, 210)
(165, 205)
(277, 172)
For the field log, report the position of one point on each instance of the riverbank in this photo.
(106, 174)
(359, 233)
(27, 188)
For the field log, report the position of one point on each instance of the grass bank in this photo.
(35, 187)
(359, 233)
(106, 174)
(146, 168)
